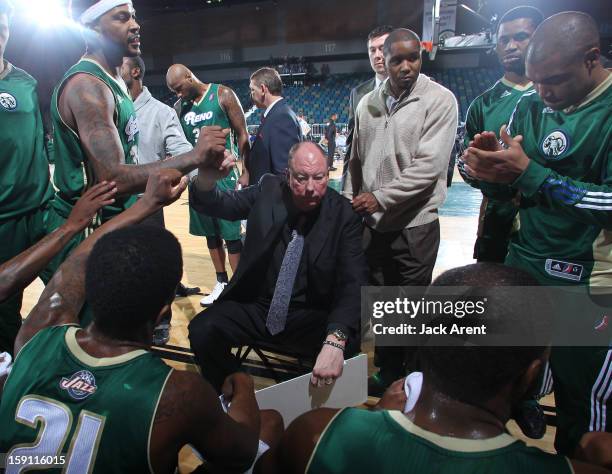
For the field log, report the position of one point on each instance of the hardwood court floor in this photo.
(458, 223)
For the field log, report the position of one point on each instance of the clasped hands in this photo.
(214, 161)
(485, 159)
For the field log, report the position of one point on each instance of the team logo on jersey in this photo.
(131, 128)
(80, 386)
(555, 145)
(191, 118)
(505, 94)
(547, 110)
(8, 101)
(566, 270)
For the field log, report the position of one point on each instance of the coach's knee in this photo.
(204, 331)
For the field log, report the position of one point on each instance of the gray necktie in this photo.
(277, 314)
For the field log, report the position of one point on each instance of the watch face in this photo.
(339, 334)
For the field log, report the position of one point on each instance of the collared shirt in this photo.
(267, 111)
(160, 130)
(298, 295)
(390, 100)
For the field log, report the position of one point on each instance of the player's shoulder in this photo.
(21, 75)
(185, 398)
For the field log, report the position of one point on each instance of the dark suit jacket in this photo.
(278, 132)
(336, 268)
(357, 94)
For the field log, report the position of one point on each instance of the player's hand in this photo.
(95, 198)
(366, 203)
(328, 366)
(394, 397)
(503, 166)
(244, 178)
(485, 141)
(211, 145)
(163, 188)
(235, 383)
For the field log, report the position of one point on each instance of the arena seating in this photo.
(319, 101)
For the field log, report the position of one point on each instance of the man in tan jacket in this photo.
(404, 134)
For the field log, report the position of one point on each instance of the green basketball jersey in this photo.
(360, 441)
(73, 172)
(566, 219)
(493, 108)
(488, 112)
(206, 112)
(24, 170)
(96, 413)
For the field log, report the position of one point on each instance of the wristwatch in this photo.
(338, 334)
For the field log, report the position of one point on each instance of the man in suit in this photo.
(376, 39)
(298, 282)
(279, 129)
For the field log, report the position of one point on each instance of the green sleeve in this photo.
(585, 202)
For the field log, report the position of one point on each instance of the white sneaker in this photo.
(214, 294)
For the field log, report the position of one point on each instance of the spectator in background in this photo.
(376, 39)
(404, 133)
(279, 129)
(330, 136)
(304, 126)
(161, 136)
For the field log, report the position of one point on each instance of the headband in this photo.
(100, 8)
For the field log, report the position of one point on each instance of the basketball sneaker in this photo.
(214, 294)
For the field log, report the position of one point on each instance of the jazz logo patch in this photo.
(555, 145)
(80, 385)
(560, 269)
(7, 101)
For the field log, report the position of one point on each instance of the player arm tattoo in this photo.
(91, 104)
(235, 113)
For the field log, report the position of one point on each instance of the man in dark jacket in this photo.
(279, 129)
(298, 282)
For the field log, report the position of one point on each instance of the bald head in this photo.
(570, 34)
(308, 175)
(183, 82)
(308, 151)
(563, 59)
(177, 72)
(400, 35)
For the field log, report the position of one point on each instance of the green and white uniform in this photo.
(565, 238)
(25, 188)
(194, 116)
(73, 173)
(60, 401)
(360, 441)
(488, 112)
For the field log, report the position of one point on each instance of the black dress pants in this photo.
(227, 324)
(400, 258)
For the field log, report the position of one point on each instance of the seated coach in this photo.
(298, 282)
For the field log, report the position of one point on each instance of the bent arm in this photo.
(63, 297)
(235, 113)
(90, 106)
(190, 413)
